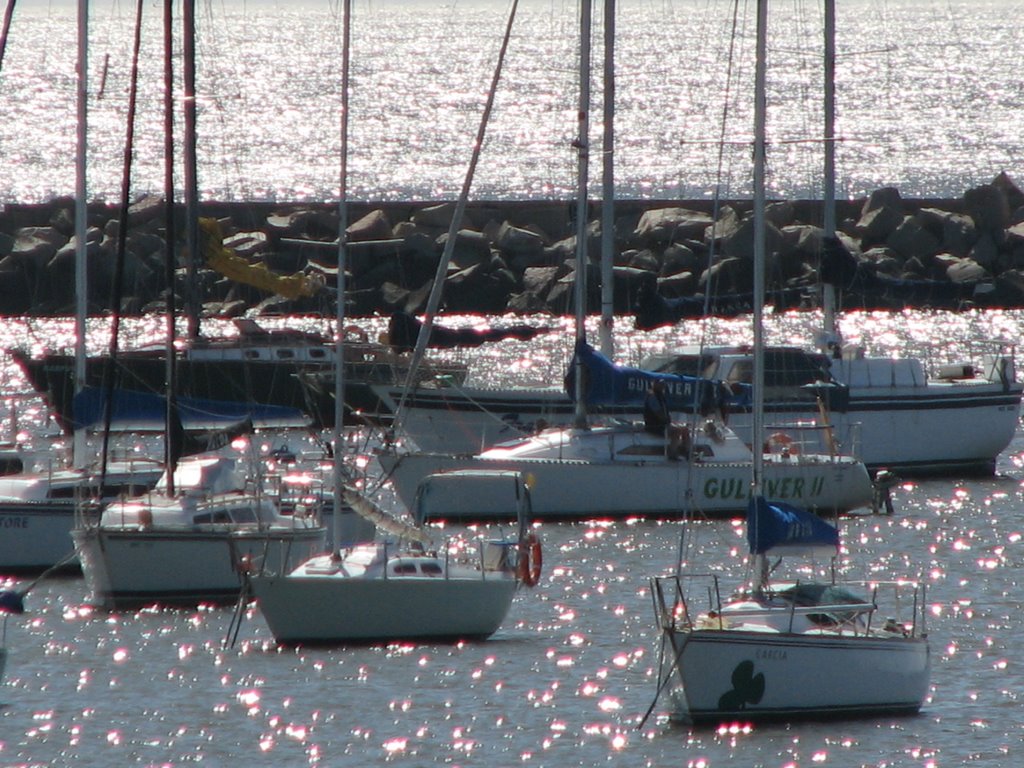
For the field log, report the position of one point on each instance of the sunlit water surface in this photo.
(570, 675)
(928, 99)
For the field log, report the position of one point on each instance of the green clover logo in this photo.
(747, 688)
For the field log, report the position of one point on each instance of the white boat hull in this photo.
(36, 536)
(925, 429)
(316, 609)
(129, 568)
(578, 489)
(804, 676)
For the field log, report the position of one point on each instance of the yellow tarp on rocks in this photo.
(237, 267)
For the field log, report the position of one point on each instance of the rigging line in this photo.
(8, 15)
(716, 204)
(434, 300)
(690, 512)
(122, 243)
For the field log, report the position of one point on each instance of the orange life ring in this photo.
(782, 443)
(530, 561)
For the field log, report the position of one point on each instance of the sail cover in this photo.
(777, 528)
(135, 410)
(609, 384)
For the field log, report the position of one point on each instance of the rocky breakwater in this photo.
(520, 256)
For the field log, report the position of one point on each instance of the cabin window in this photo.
(318, 353)
(205, 518)
(244, 515)
(61, 493)
(405, 569)
(11, 466)
(252, 354)
(285, 354)
(431, 569)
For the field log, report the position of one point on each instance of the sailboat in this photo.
(622, 469)
(38, 508)
(897, 416)
(784, 650)
(401, 585)
(188, 540)
(183, 542)
(790, 649)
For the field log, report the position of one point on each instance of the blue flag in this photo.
(779, 528)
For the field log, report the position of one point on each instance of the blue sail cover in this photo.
(137, 410)
(609, 384)
(775, 527)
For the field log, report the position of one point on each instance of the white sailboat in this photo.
(784, 650)
(183, 542)
(404, 586)
(188, 546)
(38, 509)
(621, 470)
(896, 415)
(401, 585)
(790, 650)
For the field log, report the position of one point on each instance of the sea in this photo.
(929, 101)
(929, 98)
(571, 675)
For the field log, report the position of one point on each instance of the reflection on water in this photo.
(569, 676)
(927, 101)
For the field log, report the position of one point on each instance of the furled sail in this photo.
(609, 384)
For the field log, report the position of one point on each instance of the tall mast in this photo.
(828, 291)
(583, 155)
(190, 169)
(760, 109)
(81, 223)
(608, 187)
(339, 339)
(172, 438)
(434, 299)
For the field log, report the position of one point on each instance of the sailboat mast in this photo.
(172, 437)
(339, 339)
(190, 166)
(760, 109)
(608, 187)
(583, 156)
(434, 299)
(81, 223)
(828, 291)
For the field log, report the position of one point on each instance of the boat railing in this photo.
(678, 613)
(899, 598)
(802, 438)
(987, 359)
(678, 605)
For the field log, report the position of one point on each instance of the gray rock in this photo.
(966, 271)
(883, 197)
(878, 223)
(372, 226)
(911, 240)
(988, 206)
(662, 226)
